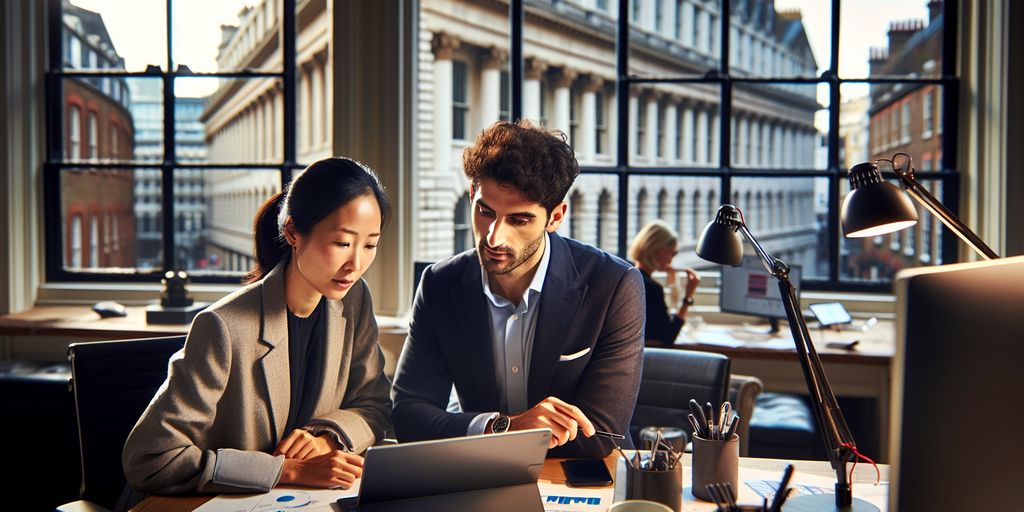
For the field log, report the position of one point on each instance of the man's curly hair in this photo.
(536, 162)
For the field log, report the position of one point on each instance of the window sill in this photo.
(129, 294)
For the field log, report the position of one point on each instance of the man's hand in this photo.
(564, 420)
(332, 469)
(300, 444)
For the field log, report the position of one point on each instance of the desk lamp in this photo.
(875, 207)
(721, 243)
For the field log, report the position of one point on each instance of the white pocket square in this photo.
(575, 355)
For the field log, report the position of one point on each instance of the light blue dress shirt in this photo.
(512, 331)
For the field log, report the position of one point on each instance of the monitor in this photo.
(748, 289)
(958, 383)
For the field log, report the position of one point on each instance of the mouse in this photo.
(109, 308)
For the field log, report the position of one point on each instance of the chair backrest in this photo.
(671, 378)
(113, 382)
(743, 393)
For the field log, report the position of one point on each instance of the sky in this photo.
(137, 28)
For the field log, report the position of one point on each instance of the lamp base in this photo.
(824, 503)
(157, 314)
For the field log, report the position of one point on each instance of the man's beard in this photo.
(517, 259)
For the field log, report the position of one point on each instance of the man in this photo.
(534, 330)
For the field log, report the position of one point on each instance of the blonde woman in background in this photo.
(652, 250)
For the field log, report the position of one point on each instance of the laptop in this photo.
(494, 472)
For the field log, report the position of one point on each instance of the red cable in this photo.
(852, 448)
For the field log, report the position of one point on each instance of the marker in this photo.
(609, 435)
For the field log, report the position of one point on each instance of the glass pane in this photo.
(566, 93)
(213, 216)
(877, 259)
(780, 126)
(593, 215)
(894, 118)
(673, 37)
(791, 39)
(98, 124)
(686, 204)
(147, 108)
(98, 220)
(459, 68)
(149, 219)
(789, 218)
(241, 120)
(233, 35)
(674, 125)
(112, 34)
(890, 38)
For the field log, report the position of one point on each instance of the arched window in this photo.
(643, 209)
(575, 215)
(681, 227)
(663, 204)
(606, 227)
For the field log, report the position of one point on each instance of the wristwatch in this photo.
(688, 301)
(500, 424)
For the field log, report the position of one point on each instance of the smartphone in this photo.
(586, 472)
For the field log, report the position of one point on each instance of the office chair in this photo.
(671, 377)
(113, 382)
(743, 393)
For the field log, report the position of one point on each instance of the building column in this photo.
(689, 144)
(777, 146)
(754, 158)
(586, 147)
(742, 144)
(702, 136)
(647, 14)
(634, 118)
(670, 127)
(651, 122)
(560, 119)
(444, 46)
(490, 86)
(305, 108)
(316, 102)
(532, 76)
(715, 139)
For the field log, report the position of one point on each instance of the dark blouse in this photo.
(306, 351)
(662, 326)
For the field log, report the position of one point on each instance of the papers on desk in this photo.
(282, 498)
(736, 338)
(562, 498)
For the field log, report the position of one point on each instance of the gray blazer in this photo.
(587, 349)
(222, 410)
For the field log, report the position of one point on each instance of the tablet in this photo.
(473, 466)
(831, 313)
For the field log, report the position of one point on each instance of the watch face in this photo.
(500, 424)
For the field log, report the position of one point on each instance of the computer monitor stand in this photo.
(772, 330)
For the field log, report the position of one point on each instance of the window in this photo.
(503, 98)
(123, 203)
(926, 117)
(460, 103)
(463, 236)
(905, 119)
(768, 106)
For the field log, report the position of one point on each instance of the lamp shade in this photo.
(720, 242)
(874, 206)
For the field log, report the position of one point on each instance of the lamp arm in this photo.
(767, 260)
(933, 205)
(838, 439)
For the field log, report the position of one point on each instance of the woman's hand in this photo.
(332, 469)
(692, 280)
(300, 444)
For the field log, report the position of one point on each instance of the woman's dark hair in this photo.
(321, 188)
(536, 162)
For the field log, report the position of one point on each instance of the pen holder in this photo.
(664, 486)
(715, 461)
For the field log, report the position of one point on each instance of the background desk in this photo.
(862, 373)
(552, 472)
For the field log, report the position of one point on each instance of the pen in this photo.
(609, 435)
(709, 415)
(698, 413)
(780, 493)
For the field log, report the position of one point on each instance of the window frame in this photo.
(56, 162)
(730, 49)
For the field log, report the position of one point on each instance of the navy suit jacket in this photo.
(590, 300)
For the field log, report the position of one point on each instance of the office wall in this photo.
(1014, 224)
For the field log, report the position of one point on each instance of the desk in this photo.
(552, 472)
(862, 373)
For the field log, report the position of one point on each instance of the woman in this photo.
(280, 382)
(652, 250)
